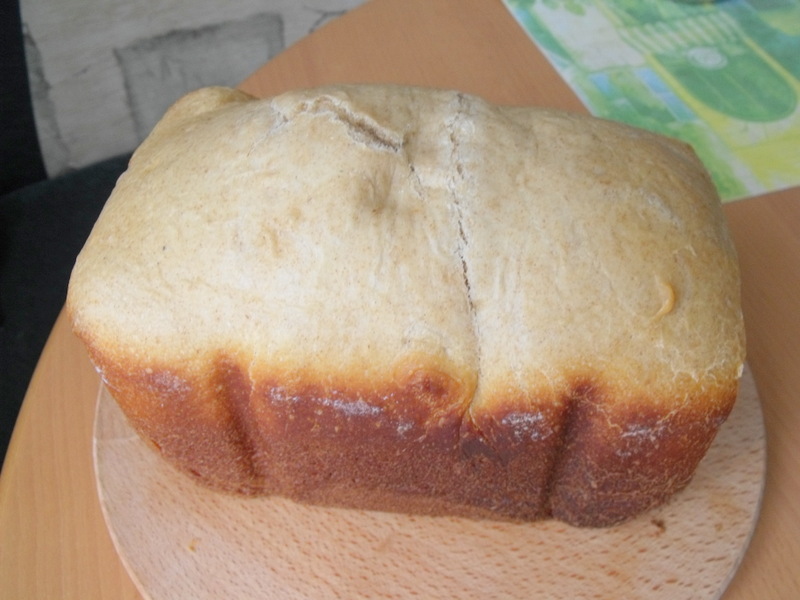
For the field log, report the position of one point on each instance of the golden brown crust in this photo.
(416, 448)
(614, 464)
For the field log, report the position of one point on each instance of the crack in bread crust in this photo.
(361, 129)
(456, 188)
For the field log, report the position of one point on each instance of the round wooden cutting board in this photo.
(179, 540)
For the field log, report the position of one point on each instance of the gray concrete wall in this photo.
(102, 72)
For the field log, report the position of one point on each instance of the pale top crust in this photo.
(386, 250)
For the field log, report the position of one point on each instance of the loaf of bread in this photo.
(407, 299)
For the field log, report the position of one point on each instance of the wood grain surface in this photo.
(53, 540)
(183, 541)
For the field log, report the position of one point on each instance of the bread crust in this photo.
(415, 447)
(457, 309)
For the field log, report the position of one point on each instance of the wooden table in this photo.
(53, 541)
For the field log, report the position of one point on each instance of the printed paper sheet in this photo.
(723, 76)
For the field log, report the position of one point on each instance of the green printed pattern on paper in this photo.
(723, 76)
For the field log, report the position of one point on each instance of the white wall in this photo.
(103, 71)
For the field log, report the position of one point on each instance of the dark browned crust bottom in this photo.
(414, 449)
